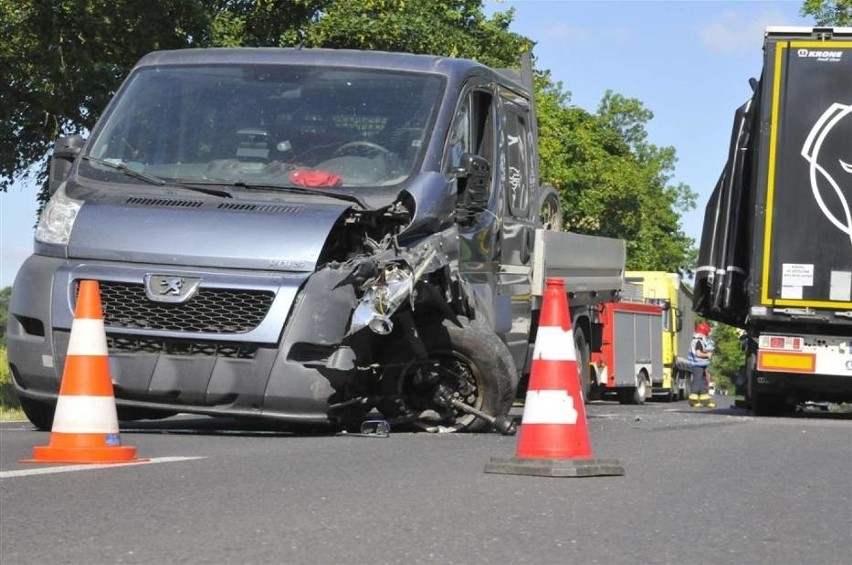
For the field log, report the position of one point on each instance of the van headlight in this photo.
(57, 218)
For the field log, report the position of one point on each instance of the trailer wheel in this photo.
(550, 209)
(768, 404)
(581, 350)
(40, 414)
(469, 363)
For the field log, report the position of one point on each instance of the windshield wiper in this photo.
(300, 190)
(284, 187)
(150, 179)
(155, 180)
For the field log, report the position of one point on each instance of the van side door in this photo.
(517, 229)
(474, 131)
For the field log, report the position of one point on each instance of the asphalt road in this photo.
(699, 487)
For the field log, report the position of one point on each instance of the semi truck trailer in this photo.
(776, 249)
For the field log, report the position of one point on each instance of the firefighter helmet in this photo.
(702, 328)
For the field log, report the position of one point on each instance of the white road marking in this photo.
(88, 467)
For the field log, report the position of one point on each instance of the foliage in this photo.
(261, 23)
(63, 60)
(403, 25)
(611, 180)
(9, 404)
(829, 12)
(729, 356)
(5, 295)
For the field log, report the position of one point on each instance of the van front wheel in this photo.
(39, 413)
(469, 364)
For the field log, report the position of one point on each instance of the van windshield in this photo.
(270, 124)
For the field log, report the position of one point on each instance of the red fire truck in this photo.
(631, 355)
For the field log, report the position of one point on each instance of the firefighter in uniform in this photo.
(700, 352)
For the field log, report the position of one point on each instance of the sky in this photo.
(688, 61)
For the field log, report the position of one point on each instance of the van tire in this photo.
(40, 414)
(471, 361)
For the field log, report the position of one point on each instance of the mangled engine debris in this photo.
(397, 347)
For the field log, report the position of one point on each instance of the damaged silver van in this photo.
(305, 236)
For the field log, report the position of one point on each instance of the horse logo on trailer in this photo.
(831, 173)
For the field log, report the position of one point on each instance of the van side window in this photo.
(516, 163)
(473, 129)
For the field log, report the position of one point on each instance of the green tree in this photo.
(5, 295)
(829, 12)
(63, 59)
(8, 398)
(403, 25)
(729, 356)
(612, 181)
(261, 23)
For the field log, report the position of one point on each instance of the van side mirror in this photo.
(474, 174)
(65, 150)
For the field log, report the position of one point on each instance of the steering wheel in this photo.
(362, 149)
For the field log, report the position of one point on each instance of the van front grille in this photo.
(211, 310)
(131, 344)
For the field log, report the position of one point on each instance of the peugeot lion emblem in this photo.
(170, 288)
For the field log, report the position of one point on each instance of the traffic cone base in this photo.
(85, 422)
(52, 454)
(554, 467)
(553, 440)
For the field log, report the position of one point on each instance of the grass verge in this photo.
(10, 408)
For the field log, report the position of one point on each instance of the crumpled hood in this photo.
(171, 230)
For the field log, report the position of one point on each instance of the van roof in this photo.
(448, 66)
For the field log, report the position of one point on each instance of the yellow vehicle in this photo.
(669, 291)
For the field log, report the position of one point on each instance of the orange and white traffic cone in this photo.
(85, 423)
(554, 438)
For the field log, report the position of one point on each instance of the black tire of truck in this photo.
(40, 414)
(474, 363)
(583, 355)
(671, 394)
(640, 393)
(768, 404)
(635, 394)
(687, 387)
(550, 209)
